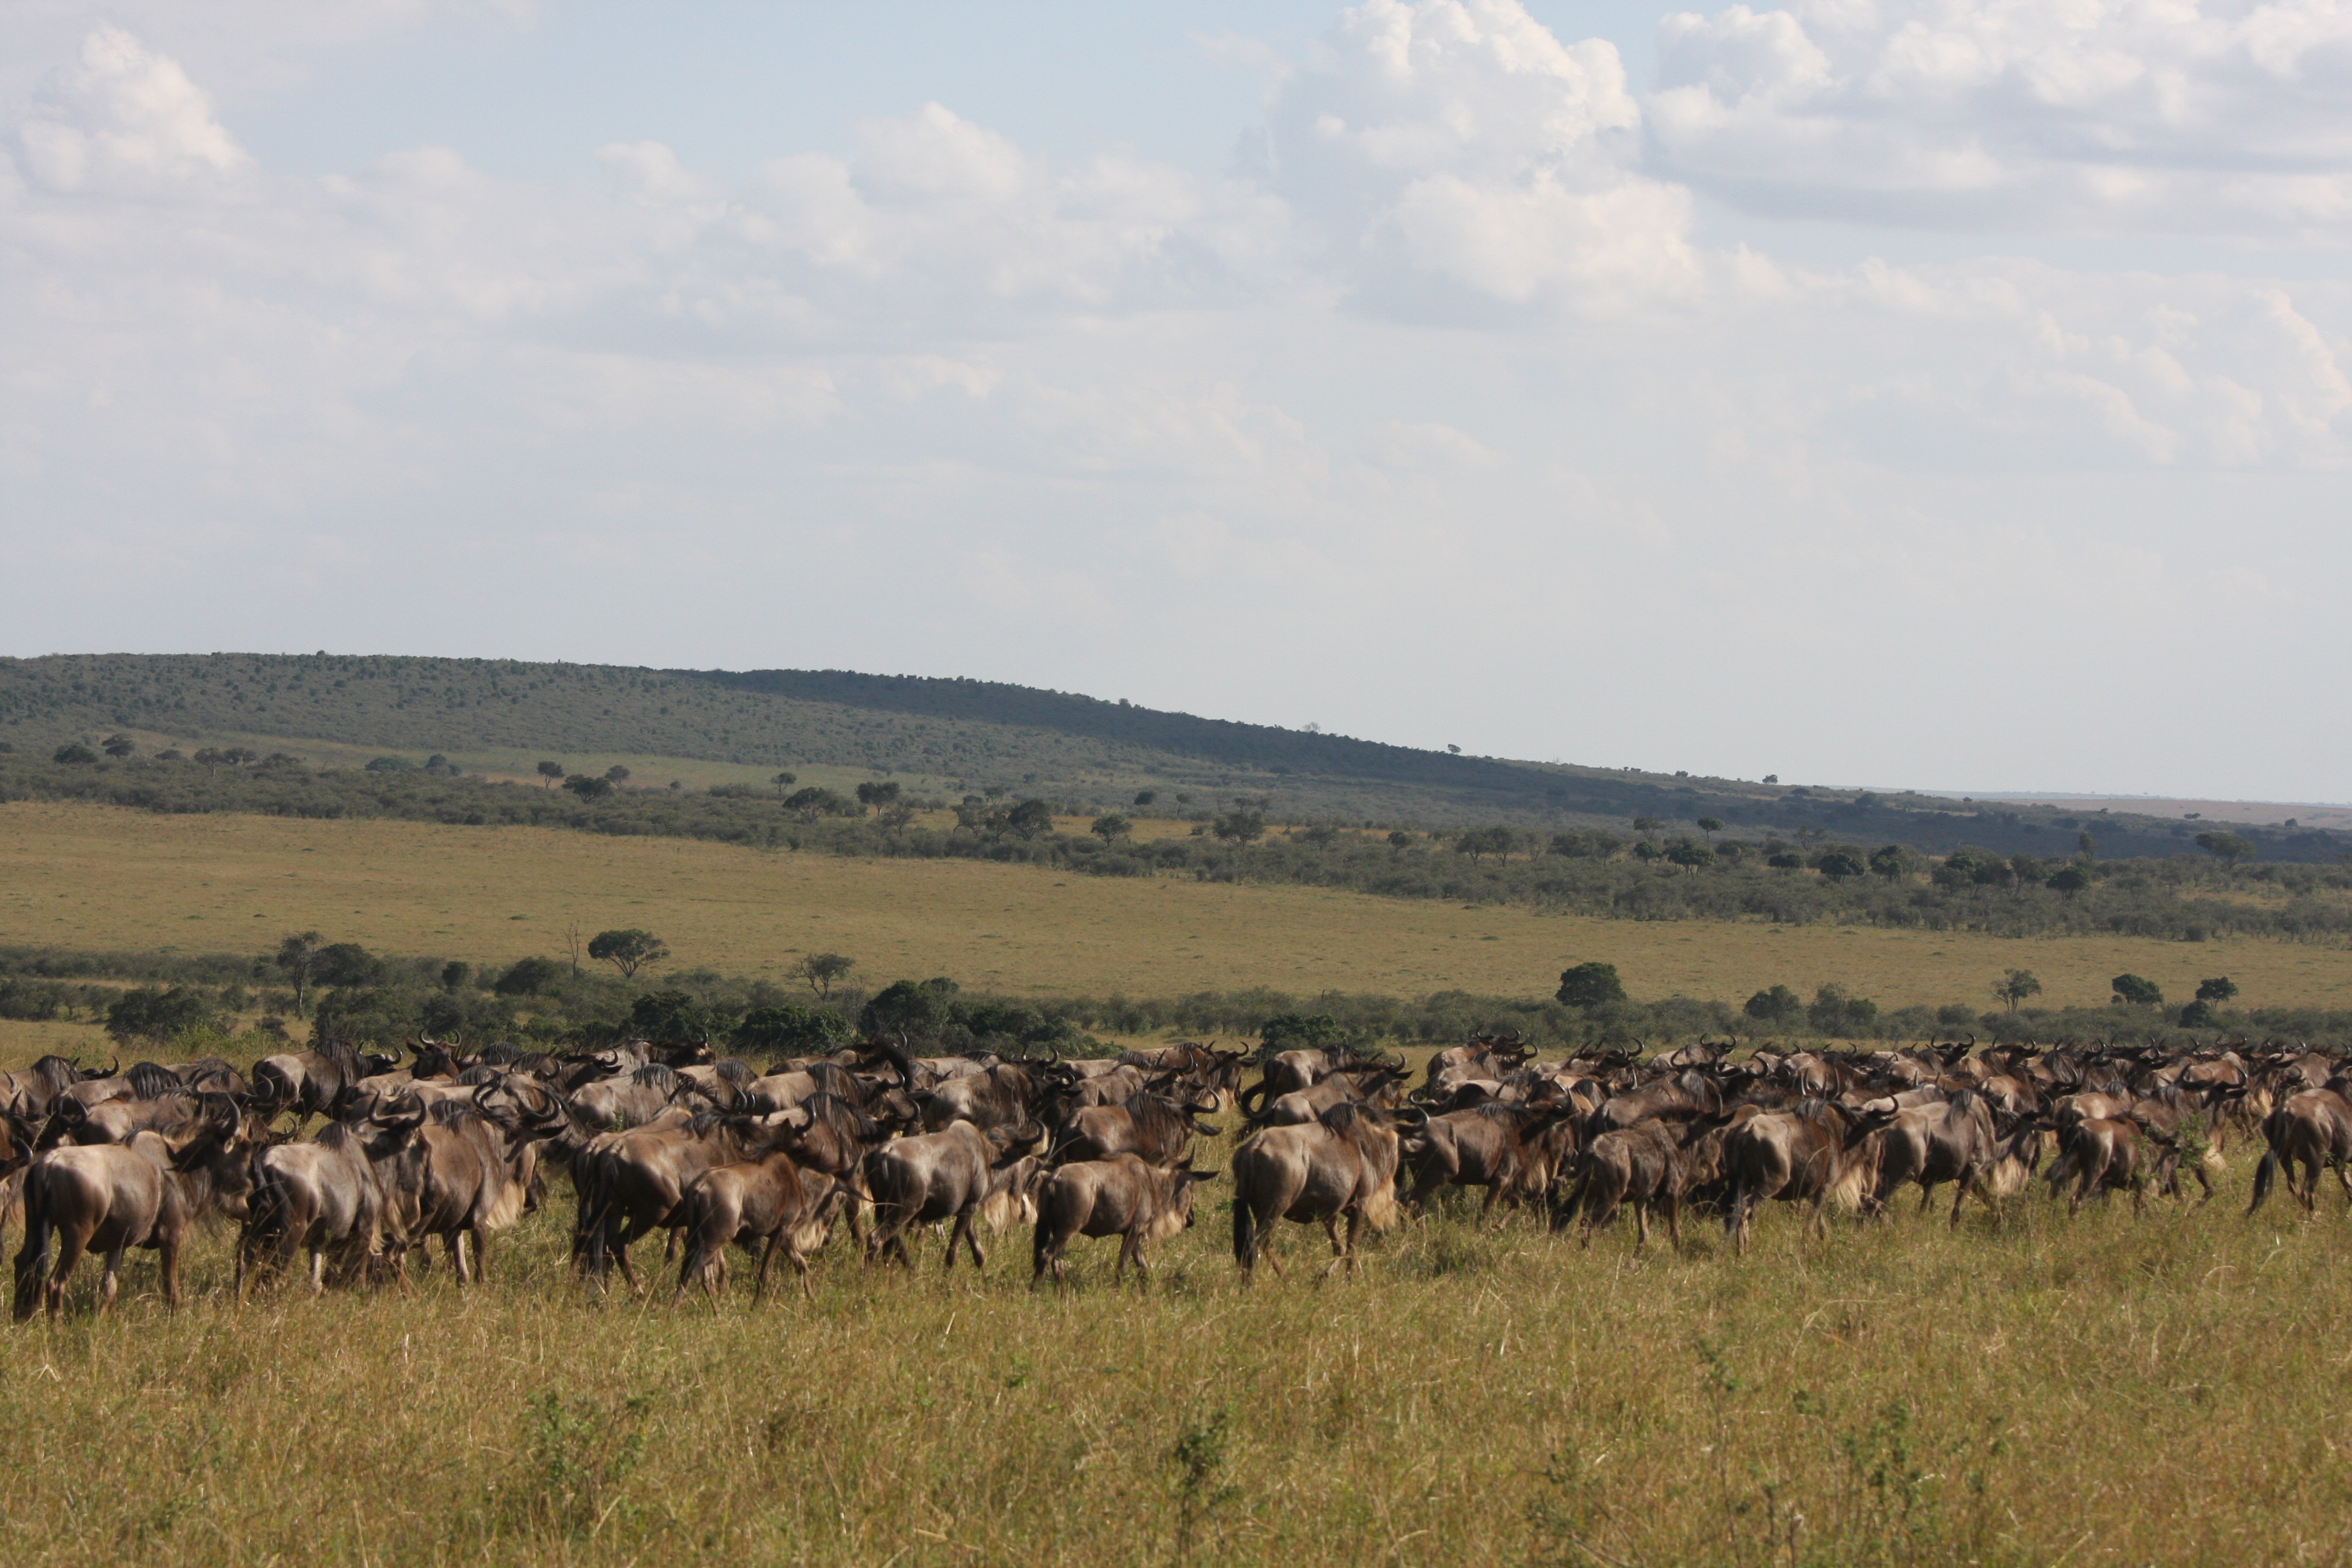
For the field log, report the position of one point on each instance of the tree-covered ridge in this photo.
(973, 735)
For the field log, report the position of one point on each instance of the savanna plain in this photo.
(2163, 1387)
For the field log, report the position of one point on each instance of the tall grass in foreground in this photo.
(2165, 1390)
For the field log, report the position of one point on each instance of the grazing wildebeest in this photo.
(1153, 1127)
(944, 1176)
(109, 1197)
(1489, 1146)
(1800, 1155)
(769, 1200)
(1123, 1197)
(1341, 1166)
(1643, 1164)
(2308, 1132)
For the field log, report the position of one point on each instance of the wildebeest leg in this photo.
(481, 1256)
(1673, 1205)
(454, 1243)
(167, 1266)
(109, 1285)
(1960, 1197)
(318, 1272)
(1641, 1225)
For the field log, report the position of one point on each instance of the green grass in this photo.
(2104, 1389)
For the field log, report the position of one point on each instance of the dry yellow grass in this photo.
(103, 878)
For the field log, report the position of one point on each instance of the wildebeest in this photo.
(2307, 1131)
(630, 1100)
(2109, 1156)
(323, 1196)
(1486, 1146)
(1641, 1164)
(318, 1082)
(769, 1201)
(1123, 1197)
(1799, 1156)
(1341, 1166)
(1380, 1088)
(1953, 1140)
(109, 1197)
(999, 1096)
(1153, 1127)
(461, 1175)
(631, 1182)
(944, 1175)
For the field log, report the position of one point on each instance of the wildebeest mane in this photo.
(656, 1075)
(154, 1080)
(499, 1053)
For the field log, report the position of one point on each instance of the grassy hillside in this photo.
(90, 878)
(955, 735)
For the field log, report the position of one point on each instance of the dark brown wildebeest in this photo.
(1489, 1146)
(1799, 1156)
(1152, 1127)
(944, 1176)
(2308, 1132)
(320, 1197)
(1380, 1088)
(2109, 1156)
(769, 1202)
(1216, 1072)
(1643, 1164)
(1123, 1197)
(109, 1197)
(1341, 1166)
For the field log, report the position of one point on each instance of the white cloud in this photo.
(2200, 117)
(1460, 140)
(122, 118)
(1450, 356)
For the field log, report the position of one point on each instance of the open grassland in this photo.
(2168, 1389)
(103, 878)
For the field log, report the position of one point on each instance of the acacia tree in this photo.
(2232, 847)
(1112, 827)
(628, 950)
(2015, 988)
(550, 773)
(298, 955)
(818, 971)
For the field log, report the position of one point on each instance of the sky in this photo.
(1942, 393)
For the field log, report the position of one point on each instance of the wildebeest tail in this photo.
(2265, 1174)
(1245, 1236)
(33, 1257)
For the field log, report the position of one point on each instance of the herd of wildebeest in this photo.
(717, 1155)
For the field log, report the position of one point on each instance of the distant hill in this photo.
(958, 735)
